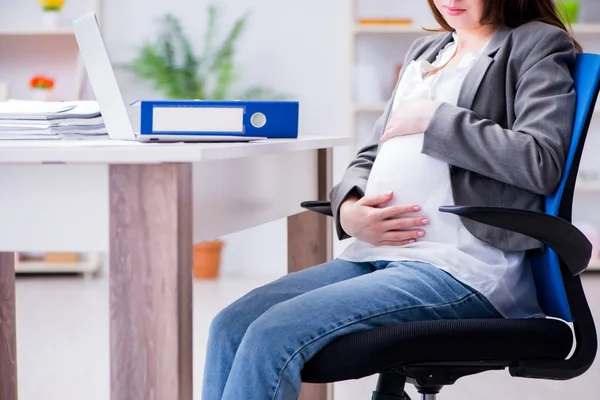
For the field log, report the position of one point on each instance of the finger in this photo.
(394, 211)
(401, 243)
(388, 132)
(375, 200)
(387, 135)
(402, 223)
(399, 236)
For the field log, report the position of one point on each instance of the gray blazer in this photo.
(506, 139)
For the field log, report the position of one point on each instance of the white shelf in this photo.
(414, 29)
(369, 107)
(88, 266)
(380, 107)
(587, 186)
(66, 31)
(586, 28)
(594, 265)
(387, 28)
(30, 267)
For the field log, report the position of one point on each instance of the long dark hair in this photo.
(513, 13)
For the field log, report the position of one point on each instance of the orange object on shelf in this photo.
(41, 82)
(385, 21)
(62, 258)
(207, 259)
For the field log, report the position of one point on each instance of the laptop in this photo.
(110, 100)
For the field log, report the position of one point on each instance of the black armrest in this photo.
(566, 240)
(321, 207)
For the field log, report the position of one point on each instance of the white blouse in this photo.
(504, 278)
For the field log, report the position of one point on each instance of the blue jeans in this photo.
(258, 345)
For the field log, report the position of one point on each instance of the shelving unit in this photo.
(58, 53)
(594, 265)
(62, 31)
(369, 107)
(587, 186)
(27, 49)
(379, 107)
(387, 28)
(391, 28)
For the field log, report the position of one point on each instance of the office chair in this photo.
(432, 354)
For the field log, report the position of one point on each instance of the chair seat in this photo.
(506, 341)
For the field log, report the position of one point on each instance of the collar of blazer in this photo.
(475, 75)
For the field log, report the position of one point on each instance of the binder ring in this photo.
(258, 120)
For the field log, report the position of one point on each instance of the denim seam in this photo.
(361, 320)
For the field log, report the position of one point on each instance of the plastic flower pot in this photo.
(50, 19)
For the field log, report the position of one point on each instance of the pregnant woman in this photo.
(481, 115)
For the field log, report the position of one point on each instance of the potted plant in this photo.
(175, 70)
(41, 87)
(51, 10)
(207, 259)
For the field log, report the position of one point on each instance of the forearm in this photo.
(532, 153)
(530, 159)
(349, 189)
(354, 181)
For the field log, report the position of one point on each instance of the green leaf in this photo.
(209, 40)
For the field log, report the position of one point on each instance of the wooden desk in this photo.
(148, 203)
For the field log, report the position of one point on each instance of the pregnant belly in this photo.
(415, 178)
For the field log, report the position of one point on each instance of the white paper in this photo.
(27, 109)
(70, 143)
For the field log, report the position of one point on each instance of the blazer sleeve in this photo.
(356, 175)
(532, 154)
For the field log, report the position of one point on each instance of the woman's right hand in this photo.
(381, 226)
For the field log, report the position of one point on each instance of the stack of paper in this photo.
(23, 119)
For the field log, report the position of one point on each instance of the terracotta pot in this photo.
(207, 259)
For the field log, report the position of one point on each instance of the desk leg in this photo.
(309, 244)
(8, 331)
(151, 282)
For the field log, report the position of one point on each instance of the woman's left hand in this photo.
(410, 117)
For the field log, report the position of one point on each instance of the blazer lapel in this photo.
(477, 73)
(473, 80)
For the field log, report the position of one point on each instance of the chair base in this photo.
(380, 396)
(390, 386)
(429, 380)
(377, 396)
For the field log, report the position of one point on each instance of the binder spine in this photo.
(231, 118)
